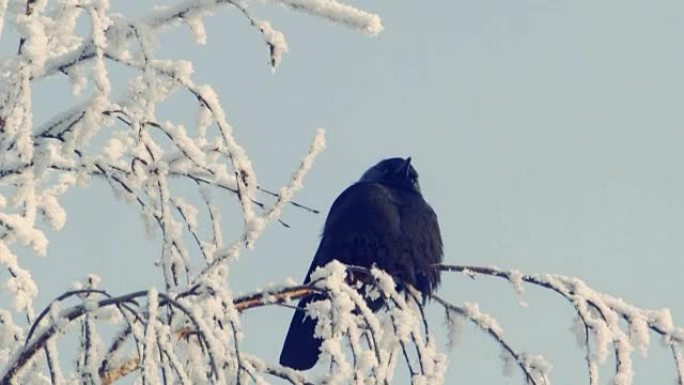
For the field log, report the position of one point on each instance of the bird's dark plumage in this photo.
(380, 220)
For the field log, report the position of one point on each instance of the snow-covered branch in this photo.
(599, 314)
(114, 135)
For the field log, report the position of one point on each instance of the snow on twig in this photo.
(339, 13)
(600, 314)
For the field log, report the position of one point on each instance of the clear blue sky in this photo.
(548, 135)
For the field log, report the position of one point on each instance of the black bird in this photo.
(380, 220)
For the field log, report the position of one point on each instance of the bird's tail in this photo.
(301, 348)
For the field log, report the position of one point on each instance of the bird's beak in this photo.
(406, 166)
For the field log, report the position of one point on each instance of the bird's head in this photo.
(396, 172)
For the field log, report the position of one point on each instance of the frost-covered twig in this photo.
(62, 321)
(110, 374)
(60, 298)
(601, 313)
(24, 356)
(534, 374)
(339, 13)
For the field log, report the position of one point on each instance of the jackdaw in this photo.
(381, 220)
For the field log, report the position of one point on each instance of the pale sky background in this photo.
(548, 136)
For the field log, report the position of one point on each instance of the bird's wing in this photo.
(361, 220)
(422, 248)
(362, 225)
